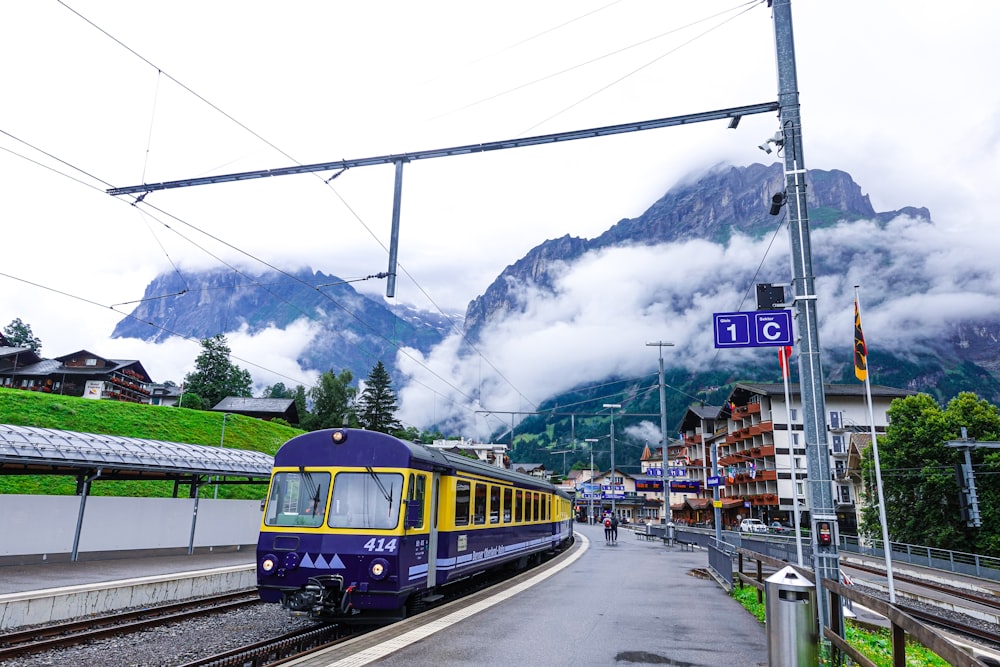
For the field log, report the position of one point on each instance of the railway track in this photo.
(71, 633)
(309, 640)
(280, 649)
(990, 602)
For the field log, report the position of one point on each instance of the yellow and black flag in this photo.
(860, 349)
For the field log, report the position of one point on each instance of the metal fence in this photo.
(782, 547)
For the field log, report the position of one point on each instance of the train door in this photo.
(432, 547)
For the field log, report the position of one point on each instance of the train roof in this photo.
(360, 448)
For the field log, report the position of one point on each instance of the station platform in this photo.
(53, 592)
(636, 602)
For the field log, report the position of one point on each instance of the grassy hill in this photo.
(24, 408)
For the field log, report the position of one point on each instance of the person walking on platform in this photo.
(614, 529)
(607, 529)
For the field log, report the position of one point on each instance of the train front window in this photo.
(297, 499)
(366, 500)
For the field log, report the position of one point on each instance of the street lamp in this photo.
(663, 433)
(222, 444)
(612, 407)
(591, 482)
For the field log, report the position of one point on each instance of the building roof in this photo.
(852, 389)
(260, 407)
(20, 356)
(695, 414)
(33, 450)
(698, 503)
(44, 367)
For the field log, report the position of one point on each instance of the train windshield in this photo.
(366, 500)
(297, 499)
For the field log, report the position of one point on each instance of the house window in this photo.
(844, 494)
(841, 469)
(795, 439)
(793, 414)
(90, 362)
(836, 420)
(839, 446)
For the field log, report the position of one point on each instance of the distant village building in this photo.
(81, 373)
(760, 445)
(492, 453)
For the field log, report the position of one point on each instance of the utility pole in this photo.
(613, 407)
(663, 433)
(821, 506)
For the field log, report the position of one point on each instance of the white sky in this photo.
(900, 95)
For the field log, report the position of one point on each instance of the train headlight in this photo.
(268, 564)
(379, 569)
(339, 436)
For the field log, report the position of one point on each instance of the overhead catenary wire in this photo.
(138, 200)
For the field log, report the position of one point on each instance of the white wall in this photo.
(46, 524)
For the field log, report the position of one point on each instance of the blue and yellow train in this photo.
(361, 526)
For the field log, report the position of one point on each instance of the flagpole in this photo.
(887, 546)
(785, 373)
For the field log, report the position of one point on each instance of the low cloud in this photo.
(916, 282)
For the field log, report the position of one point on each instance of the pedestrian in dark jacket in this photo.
(614, 528)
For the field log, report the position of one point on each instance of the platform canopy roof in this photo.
(28, 450)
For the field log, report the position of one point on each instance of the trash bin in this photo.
(671, 532)
(792, 626)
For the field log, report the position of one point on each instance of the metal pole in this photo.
(612, 407)
(791, 461)
(878, 469)
(825, 558)
(717, 514)
(663, 432)
(222, 444)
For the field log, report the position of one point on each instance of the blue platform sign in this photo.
(756, 328)
(714, 480)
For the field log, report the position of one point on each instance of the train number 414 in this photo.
(381, 545)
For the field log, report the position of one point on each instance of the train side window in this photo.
(479, 505)
(494, 504)
(418, 494)
(534, 504)
(519, 506)
(508, 498)
(545, 508)
(462, 494)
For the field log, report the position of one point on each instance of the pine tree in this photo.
(377, 403)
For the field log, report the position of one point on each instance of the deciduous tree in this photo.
(918, 474)
(216, 376)
(333, 402)
(19, 334)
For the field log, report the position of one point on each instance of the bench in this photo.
(687, 545)
(645, 535)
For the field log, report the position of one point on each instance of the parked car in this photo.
(781, 528)
(752, 526)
